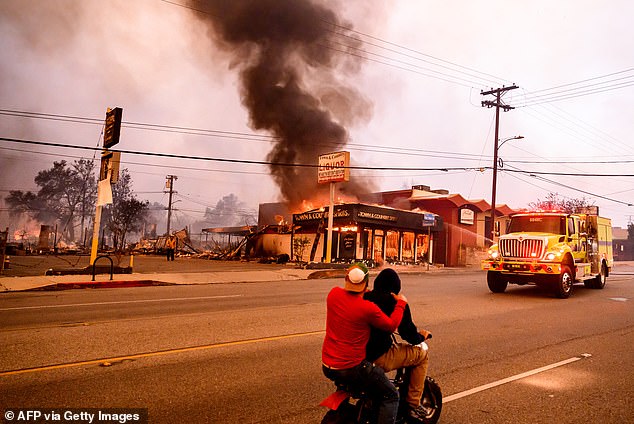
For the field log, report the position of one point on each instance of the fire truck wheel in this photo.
(599, 281)
(564, 283)
(496, 282)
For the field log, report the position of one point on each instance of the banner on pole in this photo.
(104, 193)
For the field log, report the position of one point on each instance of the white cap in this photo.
(356, 275)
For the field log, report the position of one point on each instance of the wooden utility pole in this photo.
(497, 104)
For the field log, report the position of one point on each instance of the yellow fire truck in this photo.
(553, 250)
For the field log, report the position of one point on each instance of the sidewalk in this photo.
(138, 279)
(61, 282)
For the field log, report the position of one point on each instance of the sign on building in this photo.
(334, 167)
(467, 216)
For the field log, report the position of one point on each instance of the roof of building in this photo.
(240, 231)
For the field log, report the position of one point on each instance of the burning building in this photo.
(371, 233)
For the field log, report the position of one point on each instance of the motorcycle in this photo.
(348, 406)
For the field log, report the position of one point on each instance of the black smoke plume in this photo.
(291, 83)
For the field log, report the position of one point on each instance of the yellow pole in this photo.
(95, 236)
(331, 216)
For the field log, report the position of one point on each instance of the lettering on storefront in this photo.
(315, 216)
(376, 216)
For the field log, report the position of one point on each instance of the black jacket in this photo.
(386, 283)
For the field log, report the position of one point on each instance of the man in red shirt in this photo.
(348, 322)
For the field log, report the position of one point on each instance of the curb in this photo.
(328, 273)
(100, 285)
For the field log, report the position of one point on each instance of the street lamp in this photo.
(498, 144)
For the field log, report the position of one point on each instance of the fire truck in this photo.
(553, 250)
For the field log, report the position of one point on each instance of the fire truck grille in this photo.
(526, 249)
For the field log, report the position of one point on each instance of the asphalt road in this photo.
(250, 352)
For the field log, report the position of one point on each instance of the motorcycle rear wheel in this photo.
(348, 413)
(431, 401)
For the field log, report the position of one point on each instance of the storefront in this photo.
(374, 234)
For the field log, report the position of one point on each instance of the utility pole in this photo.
(169, 185)
(497, 104)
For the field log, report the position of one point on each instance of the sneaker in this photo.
(418, 414)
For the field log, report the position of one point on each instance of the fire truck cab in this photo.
(554, 250)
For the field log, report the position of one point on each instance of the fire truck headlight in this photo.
(494, 254)
(551, 256)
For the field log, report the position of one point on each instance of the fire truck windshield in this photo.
(538, 224)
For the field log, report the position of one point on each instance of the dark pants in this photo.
(170, 254)
(374, 382)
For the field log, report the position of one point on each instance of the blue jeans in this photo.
(373, 381)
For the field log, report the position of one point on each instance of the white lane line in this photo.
(176, 299)
(514, 378)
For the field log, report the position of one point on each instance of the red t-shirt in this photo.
(348, 321)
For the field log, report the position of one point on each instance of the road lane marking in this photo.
(158, 353)
(174, 299)
(514, 378)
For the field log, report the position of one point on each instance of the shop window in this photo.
(367, 243)
(408, 247)
(422, 247)
(378, 246)
(392, 246)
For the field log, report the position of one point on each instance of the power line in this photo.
(406, 52)
(353, 146)
(299, 165)
(407, 49)
(398, 66)
(558, 96)
(580, 130)
(529, 93)
(226, 160)
(566, 186)
(568, 174)
(584, 191)
(579, 88)
(556, 162)
(141, 126)
(239, 135)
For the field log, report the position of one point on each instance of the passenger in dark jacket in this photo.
(384, 352)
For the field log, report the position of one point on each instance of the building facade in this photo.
(370, 233)
(467, 229)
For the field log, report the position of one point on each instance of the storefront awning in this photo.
(359, 213)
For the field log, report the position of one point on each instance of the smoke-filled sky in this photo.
(395, 82)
